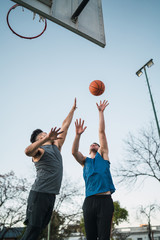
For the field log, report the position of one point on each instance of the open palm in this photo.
(79, 126)
(54, 134)
(102, 105)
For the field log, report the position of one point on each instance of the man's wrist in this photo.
(78, 135)
(73, 108)
(100, 111)
(45, 139)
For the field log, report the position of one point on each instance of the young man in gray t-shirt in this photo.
(45, 152)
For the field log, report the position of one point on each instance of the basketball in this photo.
(97, 87)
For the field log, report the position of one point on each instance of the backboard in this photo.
(83, 17)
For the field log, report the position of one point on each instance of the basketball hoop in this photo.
(13, 7)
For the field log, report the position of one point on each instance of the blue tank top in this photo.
(97, 176)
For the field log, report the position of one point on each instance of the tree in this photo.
(143, 158)
(13, 196)
(148, 212)
(120, 214)
(13, 201)
(82, 227)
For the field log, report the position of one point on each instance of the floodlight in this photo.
(139, 73)
(150, 63)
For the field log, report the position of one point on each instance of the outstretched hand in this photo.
(54, 133)
(75, 104)
(102, 105)
(79, 126)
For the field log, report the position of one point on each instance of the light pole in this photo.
(139, 73)
(49, 230)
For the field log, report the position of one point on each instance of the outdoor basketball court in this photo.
(47, 64)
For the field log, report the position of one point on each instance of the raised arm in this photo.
(75, 148)
(65, 125)
(103, 150)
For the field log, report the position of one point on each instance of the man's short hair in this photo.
(96, 144)
(35, 134)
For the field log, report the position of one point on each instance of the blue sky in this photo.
(40, 79)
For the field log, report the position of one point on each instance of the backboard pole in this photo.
(79, 10)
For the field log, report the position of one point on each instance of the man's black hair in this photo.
(96, 144)
(35, 134)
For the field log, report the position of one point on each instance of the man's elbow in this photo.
(27, 152)
(74, 153)
(65, 125)
(102, 131)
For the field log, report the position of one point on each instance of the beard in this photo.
(93, 150)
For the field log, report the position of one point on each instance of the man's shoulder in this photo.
(103, 156)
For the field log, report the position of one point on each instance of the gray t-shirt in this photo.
(49, 171)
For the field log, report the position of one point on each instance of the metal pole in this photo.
(49, 230)
(154, 110)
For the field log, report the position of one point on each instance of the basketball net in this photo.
(34, 14)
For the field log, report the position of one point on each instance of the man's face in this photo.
(41, 136)
(94, 147)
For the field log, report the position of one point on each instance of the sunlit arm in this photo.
(75, 150)
(102, 134)
(65, 125)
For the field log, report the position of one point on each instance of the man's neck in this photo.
(48, 143)
(93, 154)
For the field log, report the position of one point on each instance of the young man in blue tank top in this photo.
(45, 152)
(98, 206)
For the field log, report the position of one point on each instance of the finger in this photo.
(106, 102)
(84, 128)
(60, 132)
(77, 123)
(50, 131)
(80, 121)
(53, 130)
(75, 104)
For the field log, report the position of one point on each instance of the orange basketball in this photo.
(97, 87)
